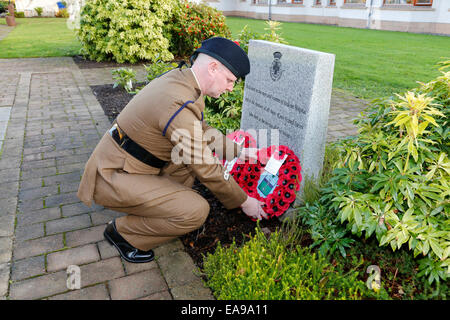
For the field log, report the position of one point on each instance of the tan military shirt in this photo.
(165, 118)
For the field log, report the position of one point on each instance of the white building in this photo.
(421, 16)
(27, 6)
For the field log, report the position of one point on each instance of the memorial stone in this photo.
(289, 89)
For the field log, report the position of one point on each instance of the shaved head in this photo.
(214, 78)
(203, 59)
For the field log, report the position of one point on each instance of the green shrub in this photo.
(272, 34)
(62, 13)
(19, 14)
(124, 78)
(126, 30)
(393, 179)
(39, 11)
(273, 269)
(4, 6)
(245, 36)
(191, 24)
(158, 68)
(224, 113)
(399, 270)
(326, 232)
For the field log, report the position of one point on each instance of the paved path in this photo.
(50, 122)
(4, 30)
(53, 124)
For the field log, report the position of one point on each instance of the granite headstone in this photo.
(289, 89)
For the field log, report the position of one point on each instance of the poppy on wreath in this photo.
(288, 178)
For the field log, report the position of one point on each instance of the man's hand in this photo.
(249, 154)
(252, 208)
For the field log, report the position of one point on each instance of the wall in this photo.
(27, 6)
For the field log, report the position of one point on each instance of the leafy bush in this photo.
(39, 11)
(393, 178)
(274, 269)
(126, 30)
(124, 78)
(191, 24)
(272, 34)
(326, 232)
(224, 113)
(19, 14)
(62, 13)
(158, 68)
(4, 6)
(399, 270)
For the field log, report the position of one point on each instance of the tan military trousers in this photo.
(173, 209)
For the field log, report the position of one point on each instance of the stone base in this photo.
(291, 212)
(10, 21)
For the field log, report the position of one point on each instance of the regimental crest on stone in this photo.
(275, 69)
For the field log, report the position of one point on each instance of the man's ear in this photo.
(212, 67)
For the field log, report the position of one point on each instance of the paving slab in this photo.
(138, 285)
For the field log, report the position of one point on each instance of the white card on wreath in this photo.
(273, 165)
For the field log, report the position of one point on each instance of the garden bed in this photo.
(83, 63)
(221, 225)
(399, 270)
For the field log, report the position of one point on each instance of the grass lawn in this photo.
(369, 63)
(39, 37)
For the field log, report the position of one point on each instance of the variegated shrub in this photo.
(394, 177)
(125, 30)
(392, 180)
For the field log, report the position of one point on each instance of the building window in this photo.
(423, 2)
(318, 2)
(410, 2)
(332, 3)
(398, 1)
(355, 1)
(290, 1)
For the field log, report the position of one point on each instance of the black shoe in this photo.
(126, 250)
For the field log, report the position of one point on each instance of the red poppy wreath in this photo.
(275, 177)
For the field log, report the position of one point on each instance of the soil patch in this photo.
(112, 100)
(222, 225)
(83, 63)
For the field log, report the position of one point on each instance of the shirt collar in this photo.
(198, 84)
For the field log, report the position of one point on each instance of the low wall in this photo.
(416, 27)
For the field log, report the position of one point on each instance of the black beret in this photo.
(228, 53)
